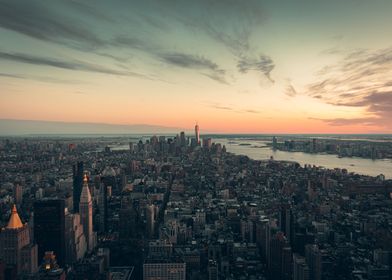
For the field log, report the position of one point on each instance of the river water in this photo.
(256, 149)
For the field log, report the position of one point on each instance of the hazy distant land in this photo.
(9, 127)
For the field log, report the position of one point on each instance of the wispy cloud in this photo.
(126, 41)
(62, 64)
(232, 109)
(252, 111)
(221, 107)
(15, 76)
(195, 62)
(361, 79)
(263, 64)
(290, 90)
(230, 23)
(73, 24)
(41, 78)
(36, 19)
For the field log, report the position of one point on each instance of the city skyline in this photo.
(231, 66)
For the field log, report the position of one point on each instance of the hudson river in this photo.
(256, 149)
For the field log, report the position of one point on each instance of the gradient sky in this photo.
(235, 66)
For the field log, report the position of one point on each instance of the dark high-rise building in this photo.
(49, 228)
(212, 270)
(182, 139)
(18, 193)
(78, 173)
(286, 222)
(300, 268)
(207, 143)
(103, 208)
(127, 226)
(280, 258)
(313, 258)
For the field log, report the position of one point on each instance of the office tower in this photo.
(127, 226)
(16, 250)
(207, 143)
(75, 241)
(29, 259)
(197, 134)
(164, 269)
(300, 268)
(150, 220)
(103, 208)
(287, 263)
(109, 177)
(86, 214)
(313, 258)
(286, 222)
(300, 239)
(78, 172)
(247, 230)
(212, 270)
(18, 194)
(131, 147)
(263, 231)
(49, 228)
(182, 139)
(312, 191)
(280, 263)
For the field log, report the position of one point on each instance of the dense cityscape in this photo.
(182, 207)
(195, 140)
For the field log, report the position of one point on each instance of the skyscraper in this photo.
(15, 244)
(286, 222)
(280, 263)
(77, 184)
(103, 207)
(18, 193)
(75, 240)
(150, 220)
(207, 143)
(49, 228)
(313, 258)
(127, 214)
(300, 268)
(197, 134)
(182, 139)
(86, 214)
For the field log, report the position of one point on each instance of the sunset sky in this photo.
(234, 66)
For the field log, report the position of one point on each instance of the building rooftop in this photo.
(14, 222)
(121, 272)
